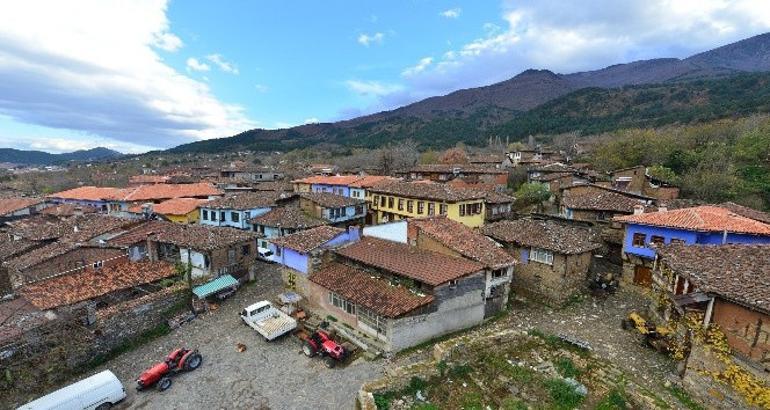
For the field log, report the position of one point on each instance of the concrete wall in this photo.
(243, 217)
(747, 331)
(391, 231)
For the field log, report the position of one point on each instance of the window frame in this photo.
(410, 206)
(638, 240)
(420, 207)
(541, 255)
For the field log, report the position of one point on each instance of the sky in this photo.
(147, 74)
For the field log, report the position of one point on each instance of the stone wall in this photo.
(554, 283)
(715, 394)
(70, 261)
(747, 331)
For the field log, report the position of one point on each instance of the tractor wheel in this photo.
(193, 362)
(164, 383)
(104, 406)
(308, 349)
(330, 362)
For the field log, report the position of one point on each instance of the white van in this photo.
(100, 391)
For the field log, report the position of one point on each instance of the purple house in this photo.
(703, 225)
(298, 251)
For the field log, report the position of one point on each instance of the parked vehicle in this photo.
(267, 320)
(321, 343)
(100, 391)
(178, 361)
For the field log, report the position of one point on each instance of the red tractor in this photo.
(321, 343)
(180, 360)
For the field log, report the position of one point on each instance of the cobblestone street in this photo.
(267, 375)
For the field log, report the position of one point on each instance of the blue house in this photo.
(236, 210)
(278, 222)
(706, 225)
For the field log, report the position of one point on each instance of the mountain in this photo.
(21, 157)
(472, 114)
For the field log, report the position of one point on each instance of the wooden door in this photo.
(642, 276)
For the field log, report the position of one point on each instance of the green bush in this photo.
(563, 394)
(566, 367)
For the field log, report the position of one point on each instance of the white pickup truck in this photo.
(267, 320)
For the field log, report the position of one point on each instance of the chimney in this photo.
(638, 209)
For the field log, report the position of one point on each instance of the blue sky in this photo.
(149, 74)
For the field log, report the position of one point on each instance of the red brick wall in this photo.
(748, 331)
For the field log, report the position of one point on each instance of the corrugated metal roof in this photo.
(210, 288)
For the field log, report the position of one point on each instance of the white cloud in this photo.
(372, 88)
(451, 13)
(223, 65)
(92, 66)
(167, 41)
(195, 65)
(261, 88)
(418, 68)
(312, 120)
(569, 36)
(367, 39)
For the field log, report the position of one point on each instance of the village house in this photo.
(122, 202)
(147, 179)
(241, 171)
(401, 200)
(323, 169)
(280, 221)
(235, 210)
(553, 258)
(394, 295)
(728, 285)
(272, 186)
(596, 203)
(706, 224)
(97, 197)
(446, 236)
(637, 180)
(67, 210)
(300, 252)
(487, 160)
(335, 184)
(532, 157)
(447, 172)
(497, 206)
(20, 207)
(211, 252)
(45, 228)
(178, 210)
(335, 209)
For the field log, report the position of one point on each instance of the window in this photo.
(442, 209)
(677, 241)
(603, 216)
(390, 202)
(657, 239)
(245, 250)
(410, 206)
(453, 284)
(235, 216)
(499, 273)
(213, 215)
(341, 303)
(382, 201)
(230, 256)
(222, 216)
(372, 320)
(359, 209)
(400, 204)
(376, 199)
(431, 208)
(462, 209)
(98, 264)
(278, 251)
(638, 240)
(541, 255)
(205, 216)
(420, 207)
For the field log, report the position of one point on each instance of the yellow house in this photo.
(180, 210)
(401, 200)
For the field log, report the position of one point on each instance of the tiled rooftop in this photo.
(41, 254)
(307, 240)
(10, 247)
(78, 228)
(740, 273)
(462, 168)
(329, 200)
(68, 210)
(246, 200)
(168, 191)
(329, 180)
(178, 206)
(9, 205)
(362, 289)
(547, 235)
(747, 212)
(200, 237)
(87, 284)
(426, 266)
(435, 192)
(600, 200)
(89, 193)
(706, 218)
(290, 217)
(464, 241)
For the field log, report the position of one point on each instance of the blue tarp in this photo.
(210, 288)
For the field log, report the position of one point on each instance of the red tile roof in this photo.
(168, 191)
(329, 180)
(307, 240)
(370, 292)
(369, 181)
(87, 284)
(89, 193)
(750, 213)
(330, 200)
(464, 241)
(705, 218)
(178, 206)
(9, 205)
(426, 266)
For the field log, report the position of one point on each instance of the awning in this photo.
(210, 288)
